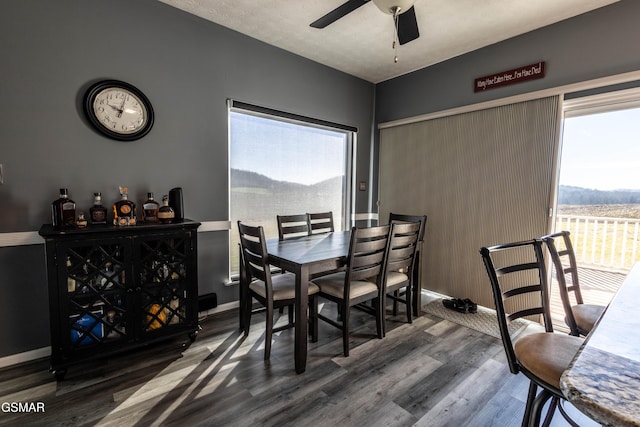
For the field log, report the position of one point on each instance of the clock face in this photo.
(119, 110)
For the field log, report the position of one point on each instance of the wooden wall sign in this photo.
(505, 78)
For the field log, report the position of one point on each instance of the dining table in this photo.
(603, 380)
(306, 256)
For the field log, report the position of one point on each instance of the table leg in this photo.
(301, 320)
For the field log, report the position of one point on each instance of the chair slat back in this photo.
(422, 219)
(321, 222)
(254, 254)
(403, 244)
(367, 252)
(292, 225)
(518, 277)
(566, 267)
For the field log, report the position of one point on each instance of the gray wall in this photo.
(597, 44)
(52, 50)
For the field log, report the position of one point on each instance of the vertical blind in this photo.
(482, 178)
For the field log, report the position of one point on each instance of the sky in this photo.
(599, 151)
(602, 151)
(271, 142)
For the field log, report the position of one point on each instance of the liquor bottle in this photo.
(124, 210)
(165, 213)
(108, 278)
(97, 212)
(81, 222)
(71, 282)
(150, 209)
(63, 211)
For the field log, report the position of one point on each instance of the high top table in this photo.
(603, 381)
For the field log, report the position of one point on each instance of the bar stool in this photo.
(580, 317)
(518, 279)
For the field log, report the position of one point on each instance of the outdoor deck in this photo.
(598, 287)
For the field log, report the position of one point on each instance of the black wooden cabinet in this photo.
(114, 288)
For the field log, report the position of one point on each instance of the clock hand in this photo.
(121, 107)
(114, 107)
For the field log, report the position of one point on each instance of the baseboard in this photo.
(27, 356)
(220, 308)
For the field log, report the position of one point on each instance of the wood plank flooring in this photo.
(430, 373)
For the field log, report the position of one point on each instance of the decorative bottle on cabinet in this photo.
(63, 211)
(81, 222)
(165, 213)
(150, 209)
(97, 212)
(124, 210)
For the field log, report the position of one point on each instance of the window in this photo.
(283, 164)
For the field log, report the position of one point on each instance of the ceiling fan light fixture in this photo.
(391, 7)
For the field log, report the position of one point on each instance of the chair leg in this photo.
(552, 409)
(565, 415)
(380, 316)
(313, 317)
(531, 396)
(268, 332)
(384, 314)
(538, 406)
(346, 311)
(395, 302)
(246, 317)
(409, 302)
(290, 311)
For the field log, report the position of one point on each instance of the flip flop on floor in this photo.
(472, 307)
(460, 305)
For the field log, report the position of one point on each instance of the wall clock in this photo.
(118, 110)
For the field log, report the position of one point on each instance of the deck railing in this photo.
(611, 243)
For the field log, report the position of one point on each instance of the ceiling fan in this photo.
(402, 10)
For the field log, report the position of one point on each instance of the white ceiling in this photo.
(361, 43)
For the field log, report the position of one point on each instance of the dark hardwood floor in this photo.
(430, 373)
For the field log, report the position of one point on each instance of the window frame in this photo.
(351, 136)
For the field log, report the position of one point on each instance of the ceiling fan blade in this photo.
(407, 26)
(337, 13)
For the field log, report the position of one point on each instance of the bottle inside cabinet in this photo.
(97, 310)
(165, 274)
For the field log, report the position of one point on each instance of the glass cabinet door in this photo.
(96, 296)
(165, 272)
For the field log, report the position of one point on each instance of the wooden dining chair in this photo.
(321, 222)
(416, 286)
(354, 286)
(518, 279)
(272, 291)
(292, 225)
(399, 265)
(580, 317)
